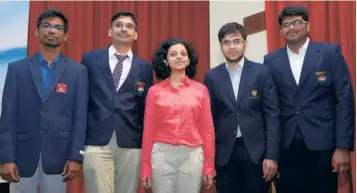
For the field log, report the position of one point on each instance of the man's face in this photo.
(233, 47)
(51, 32)
(123, 30)
(294, 29)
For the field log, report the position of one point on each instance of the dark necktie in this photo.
(118, 70)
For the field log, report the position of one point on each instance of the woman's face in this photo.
(177, 57)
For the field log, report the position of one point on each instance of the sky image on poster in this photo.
(14, 17)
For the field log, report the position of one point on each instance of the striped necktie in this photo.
(118, 70)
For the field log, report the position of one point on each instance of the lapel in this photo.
(282, 62)
(243, 80)
(311, 56)
(226, 82)
(57, 74)
(34, 65)
(134, 72)
(103, 65)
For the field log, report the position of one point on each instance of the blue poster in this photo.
(14, 16)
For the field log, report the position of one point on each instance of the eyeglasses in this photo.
(295, 23)
(234, 41)
(127, 25)
(48, 26)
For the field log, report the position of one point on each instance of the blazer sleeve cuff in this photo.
(78, 158)
(5, 161)
(272, 156)
(348, 146)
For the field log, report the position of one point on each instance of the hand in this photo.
(208, 181)
(9, 172)
(71, 170)
(341, 161)
(147, 182)
(269, 169)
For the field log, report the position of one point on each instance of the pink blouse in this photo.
(178, 116)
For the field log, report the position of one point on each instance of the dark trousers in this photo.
(306, 171)
(4, 188)
(240, 174)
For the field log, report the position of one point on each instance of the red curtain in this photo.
(89, 23)
(331, 21)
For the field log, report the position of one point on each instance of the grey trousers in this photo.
(176, 169)
(39, 181)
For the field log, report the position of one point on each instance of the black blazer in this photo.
(256, 111)
(322, 103)
(121, 110)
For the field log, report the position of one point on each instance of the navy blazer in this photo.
(122, 110)
(54, 127)
(321, 105)
(256, 111)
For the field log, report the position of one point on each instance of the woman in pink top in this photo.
(178, 140)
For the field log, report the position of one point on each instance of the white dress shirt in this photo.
(113, 60)
(297, 60)
(235, 76)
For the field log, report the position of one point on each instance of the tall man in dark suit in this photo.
(316, 98)
(246, 117)
(119, 81)
(44, 114)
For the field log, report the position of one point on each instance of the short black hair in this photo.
(162, 71)
(292, 11)
(126, 14)
(232, 28)
(53, 12)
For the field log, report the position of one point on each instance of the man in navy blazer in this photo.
(246, 117)
(44, 114)
(316, 99)
(119, 81)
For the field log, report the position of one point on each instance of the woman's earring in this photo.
(166, 62)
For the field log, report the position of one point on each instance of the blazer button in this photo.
(41, 112)
(298, 90)
(238, 114)
(297, 111)
(235, 132)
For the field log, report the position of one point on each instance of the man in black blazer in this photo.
(119, 81)
(246, 117)
(317, 109)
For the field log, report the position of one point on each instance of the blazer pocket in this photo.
(327, 116)
(22, 137)
(65, 134)
(139, 88)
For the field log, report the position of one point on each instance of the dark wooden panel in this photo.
(255, 23)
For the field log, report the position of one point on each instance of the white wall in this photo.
(222, 12)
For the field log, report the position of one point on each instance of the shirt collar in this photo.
(302, 49)
(112, 52)
(43, 60)
(185, 81)
(241, 63)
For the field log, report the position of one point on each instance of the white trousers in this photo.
(39, 181)
(111, 169)
(176, 169)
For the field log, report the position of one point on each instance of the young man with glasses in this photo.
(44, 114)
(119, 81)
(245, 113)
(316, 101)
